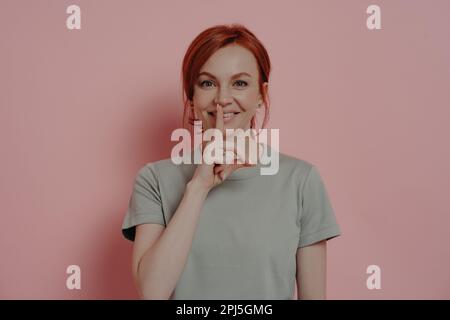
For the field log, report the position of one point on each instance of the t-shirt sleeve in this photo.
(145, 204)
(317, 220)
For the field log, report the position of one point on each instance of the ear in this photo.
(263, 94)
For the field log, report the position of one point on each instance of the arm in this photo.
(311, 271)
(159, 254)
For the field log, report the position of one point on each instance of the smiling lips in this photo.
(227, 116)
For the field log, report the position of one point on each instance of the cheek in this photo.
(247, 99)
(249, 106)
(203, 99)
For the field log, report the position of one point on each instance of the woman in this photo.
(224, 231)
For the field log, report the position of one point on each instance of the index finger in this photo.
(219, 118)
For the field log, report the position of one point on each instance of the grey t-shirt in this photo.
(249, 228)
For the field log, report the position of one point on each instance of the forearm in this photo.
(161, 265)
(312, 271)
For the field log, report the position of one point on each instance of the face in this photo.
(230, 78)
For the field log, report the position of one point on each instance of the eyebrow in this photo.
(237, 75)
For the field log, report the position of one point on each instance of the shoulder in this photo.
(306, 175)
(295, 166)
(293, 171)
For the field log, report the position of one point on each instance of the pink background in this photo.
(83, 110)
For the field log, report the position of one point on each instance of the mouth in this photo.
(227, 116)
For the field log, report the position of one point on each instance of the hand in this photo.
(210, 175)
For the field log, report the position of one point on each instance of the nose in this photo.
(223, 97)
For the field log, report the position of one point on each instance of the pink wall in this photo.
(82, 110)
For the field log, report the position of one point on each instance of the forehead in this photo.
(230, 60)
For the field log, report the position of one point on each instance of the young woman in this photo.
(225, 231)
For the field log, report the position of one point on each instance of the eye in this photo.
(243, 83)
(205, 82)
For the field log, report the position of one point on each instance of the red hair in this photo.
(203, 47)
